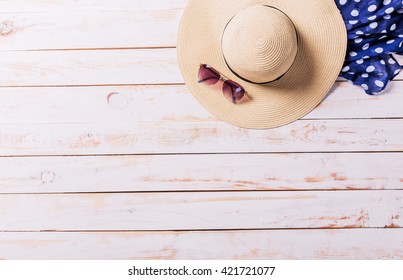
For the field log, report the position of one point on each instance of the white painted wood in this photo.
(95, 67)
(188, 136)
(159, 104)
(90, 67)
(67, 6)
(356, 244)
(82, 30)
(202, 172)
(349, 101)
(91, 45)
(204, 210)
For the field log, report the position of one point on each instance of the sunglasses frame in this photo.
(224, 79)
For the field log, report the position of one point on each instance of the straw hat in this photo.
(286, 54)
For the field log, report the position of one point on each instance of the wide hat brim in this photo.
(322, 42)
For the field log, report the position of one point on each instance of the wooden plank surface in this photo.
(202, 173)
(104, 149)
(279, 244)
(88, 30)
(201, 210)
(140, 104)
(90, 67)
(189, 136)
(69, 6)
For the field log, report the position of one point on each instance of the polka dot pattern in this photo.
(375, 33)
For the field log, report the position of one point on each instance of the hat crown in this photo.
(260, 44)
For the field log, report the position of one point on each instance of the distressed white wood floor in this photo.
(104, 154)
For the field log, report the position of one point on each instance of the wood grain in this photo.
(89, 30)
(104, 153)
(90, 67)
(202, 210)
(69, 6)
(270, 245)
(140, 104)
(202, 173)
(188, 136)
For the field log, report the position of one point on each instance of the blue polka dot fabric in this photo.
(375, 32)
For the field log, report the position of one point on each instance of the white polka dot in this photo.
(358, 40)
(379, 83)
(360, 61)
(365, 47)
(384, 31)
(391, 61)
(393, 27)
(372, 18)
(397, 71)
(343, 2)
(353, 22)
(359, 32)
(372, 8)
(365, 75)
(386, 2)
(387, 17)
(358, 1)
(365, 86)
(373, 25)
(383, 62)
(390, 42)
(353, 54)
(389, 10)
(400, 11)
(345, 69)
(365, 57)
(354, 13)
(378, 50)
(370, 69)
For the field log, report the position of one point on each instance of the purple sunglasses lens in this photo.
(208, 75)
(233, 91)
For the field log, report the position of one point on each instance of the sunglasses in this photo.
(231, 90)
